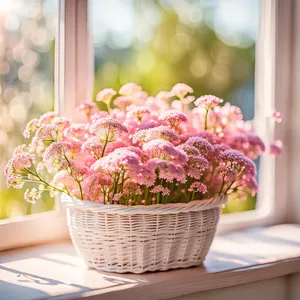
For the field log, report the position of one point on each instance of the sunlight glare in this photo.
(6, 6)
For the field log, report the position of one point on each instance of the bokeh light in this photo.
(27, 32)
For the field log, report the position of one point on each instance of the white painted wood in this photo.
(272, 91)
(275, 289)
(237, 258)
(292, 117)
(74, 69)
(283, 46)
(35, 229)
(293, 286)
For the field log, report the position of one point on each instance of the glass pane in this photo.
(27, 34)
(208, 44)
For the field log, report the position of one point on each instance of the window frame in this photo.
(272, 89)
(74, 82)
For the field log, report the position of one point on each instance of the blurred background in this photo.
(208, 44)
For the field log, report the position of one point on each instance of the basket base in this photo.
(153, 269)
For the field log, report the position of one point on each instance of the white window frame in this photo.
(73, 85)
(272, 86)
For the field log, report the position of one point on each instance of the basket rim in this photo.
(169, 208)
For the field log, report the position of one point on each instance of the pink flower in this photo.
(32, 195)
(276, 148)
(140, 97)
(18, 163)
(163, 96)
(165, 150)
(249, 144)
(181, 90)
(46, 132)
(189, 150)
(147, 125)
(14, 181)
(30, 127)
(47, 118)
(93, 147)
(76, 132)
(117, 197)
(167, 170)
(277, 116)
(218, 149)
(118, 161)
(160, 132)
(145, 150)
(196, 166)
(106, 95)
(140, 153)
(187, 100)
(210, 137)
(87, 108)
(208, 101)
(19, 149)
(198, 187)
(131, 188)
(156, 105)
(129, 89)
(249, 184)
(145, 176)
(174, 118)
(138, 112)
(62, 123)
(56, 155)
(177, 105)
(227, 171)
(123, 101)
(98, 115)
(78, 172)
(240, 162)
(160, 189)
(64, 180)
(107, 129)
(204, 147)
(96, 186)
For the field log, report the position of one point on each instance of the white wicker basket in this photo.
(137, 239)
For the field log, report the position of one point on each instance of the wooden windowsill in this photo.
(55, 271)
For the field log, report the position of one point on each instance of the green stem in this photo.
(49, 185)
(238, 177)
(104, 147)
(146, 191)
(222, 186)
(193, 196)
(205, 119)
(80, 188)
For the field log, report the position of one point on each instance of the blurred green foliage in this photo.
(180, 52)
(27, 34)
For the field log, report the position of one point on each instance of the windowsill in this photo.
(55, 271)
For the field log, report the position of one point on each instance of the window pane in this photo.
(27, 32)
(208, 44)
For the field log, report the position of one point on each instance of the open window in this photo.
(216, 47)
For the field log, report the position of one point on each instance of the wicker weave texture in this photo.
(136, 243)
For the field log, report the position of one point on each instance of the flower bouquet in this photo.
(143, 179)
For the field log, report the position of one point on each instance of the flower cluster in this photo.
(142, 150)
